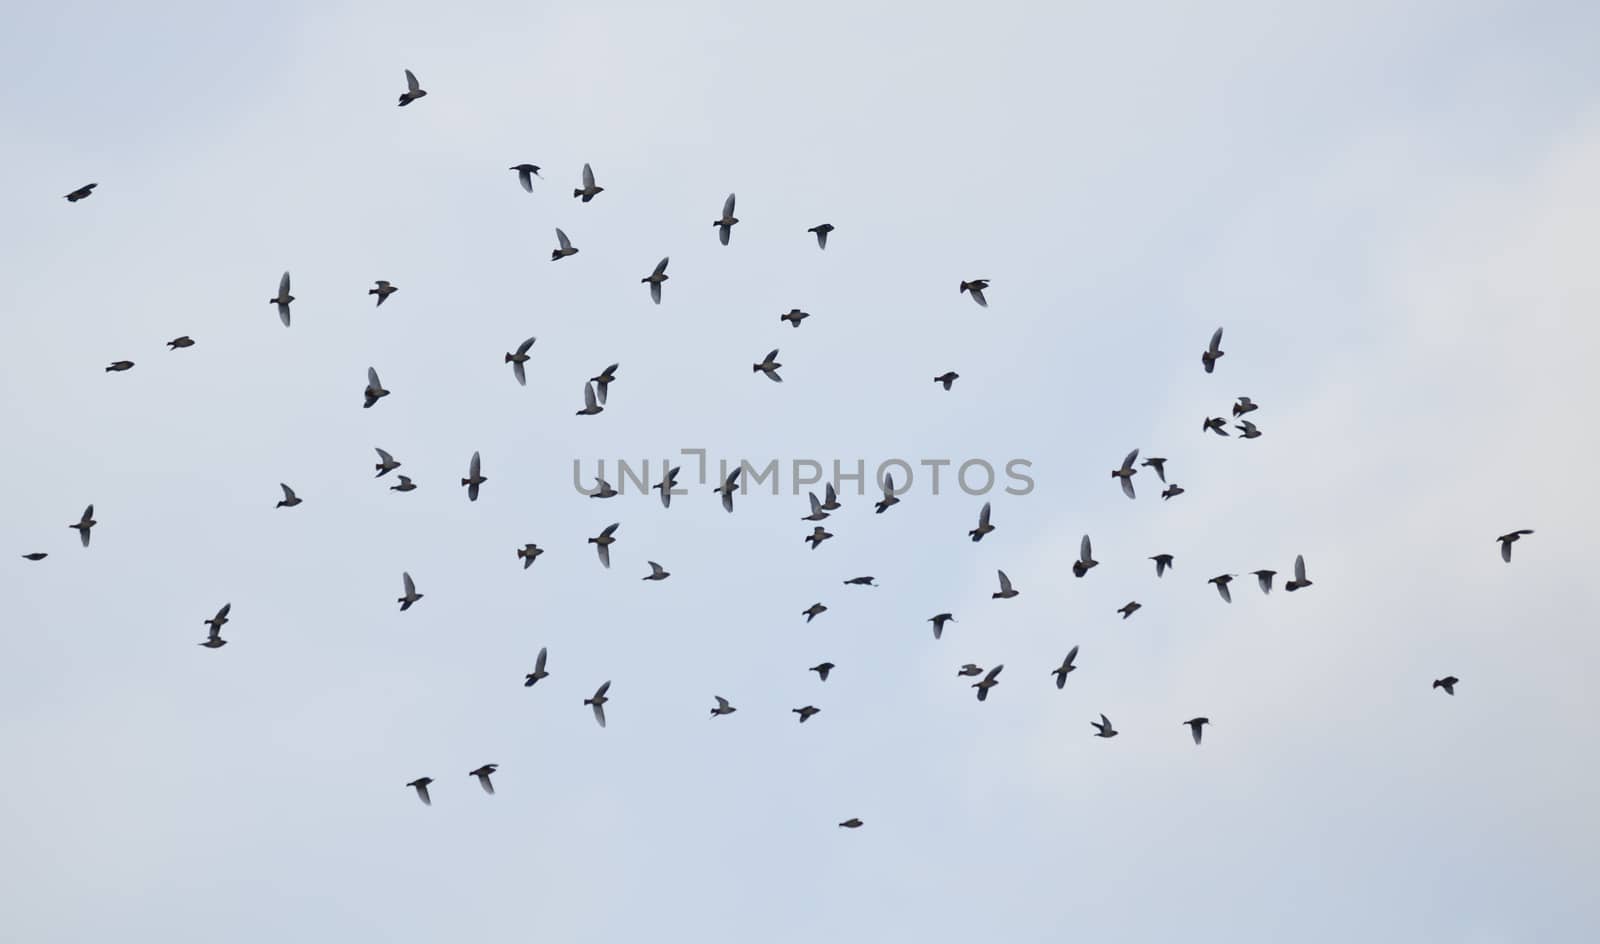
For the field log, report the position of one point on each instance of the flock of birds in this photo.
(594, 399)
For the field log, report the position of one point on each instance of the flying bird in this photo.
(1006, 591)
(851, 823)
(817, 536)
(794, 316)
(1159, 464)
(413, 90)
(1247, 430)
(538, 672)
(723, 708)
(1085, 561)
(520, 358)
(603, 489)
(969, 671)
(769, 367)
(976, 288)
(984, 527)
(421, 784)
(81, 192)
(1171, 491)
(822, 234)
(938, 620)
(35, 556)
(386, 463)
(1244, 406)
(830, 498)
(806, 712)
(656, 278)
(1506, 540)
(1216, 424)
(528, 553)
(725, 224)
(1448, 683)
(1195, 724)
(1222, 582)
(1214, 351)
(374, 390)
(822, 670)
(889, 499)
(1127, 472)
(1066, 669)
(282, 299)
(214, 638)
(603, 381)
(817, 514)
(475, 477)
(1103, 728)
(1163, 561)
(656, 573)
(1299, 575)
(590, 407)
(602, 544)
(1129, 608)
(183, 341)
(947, 378)
(987, 682)
(482, 773)
(119, 366)
(860, 582)
(1264, 579)
(564, 247)
(668, 482)
(84, 524)
(383, 291)
(411, 596)
(599, 702)
(589, 190)
(728, 487)
(406, 485)
(525, 174)
(290, 499)
(813, 611)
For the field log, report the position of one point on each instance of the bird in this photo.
(602, 543)
(728, 487)
(1216, 425)
(589, 191)
(1006, 591)
(656, 573)
(406, 485)
(806, 712)
(383, 291)
(421, 784)
(84, 524)
(947, 378)
(987, 682)
(860, 582)
(817, 536)
(518, 359)
(386, 463)
(214, 638)
(822, 670)
(1506, 540)
(1214, 351)
(1222, 582)
(603, 489)
(411, 596)
(1163, 561)
(1247, 430)
(1127, 472)
(1264, 579)
(603, 381)
(769, 367)
(851, 823)
(830, 498)
(1129, 608)
(1066, 669)
(822, 232)
(35, 556)
(725, 224)
(969, 671)
(1085, 561)
(668, 482)
(181, 341)
(374, 391)
(1448, 683)
(656, 277)
(938, 620)
(482, 773)
(1159, 464)
(1195, 724)
(723, 708)
(984, 527)
(475, 477)
(528, 553)
(282, 299)
(564, 247)
(1244, 406)
(525, 174)
(119, 366)
(599, 702)
(538, 672)
(413, 90)
(813, 611)
(1171, 491)
(590, 407)
(81, 192)
(1299, 575)
(794, 316)
(889, 498)
(976, 288)
(817, 514)
(290, 499)
(1103, 728)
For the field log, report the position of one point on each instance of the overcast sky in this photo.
(1392, 208)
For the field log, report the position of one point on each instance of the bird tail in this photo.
(577, 193)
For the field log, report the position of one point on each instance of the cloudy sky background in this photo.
(1391, 207)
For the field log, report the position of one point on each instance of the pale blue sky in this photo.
(1391, 207)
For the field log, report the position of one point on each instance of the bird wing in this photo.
(1084, 551)
(1127, 463)
(610, 529)
(483, 781)
(721, 702)
(222, 614)
(475, 466)
(727, 207)
(588, 178)
(604, 550)
(523, 347)
(562, 239)
(727, 500)
(538, 662)
(1127, 486)
(655, 568)
(604, 687)
(1505, 550)
(600, 714)
(387, 459)
(992, 673)
(983, 516)
(829, 496)
(288, 493)
(526, 178)
(372, 379)
(1071, 655)
(1194, 729)
(411, 586)
(588, 396)
(772, 357)
(977, 296)
(422, 791)
(520, 372)
(888, 486)
(816, 506)
(1005, 582)
(661, 267)
(411, 82)
(1222, 589)
(1300, 568)
(1216, 341)
(88, 515)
